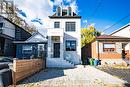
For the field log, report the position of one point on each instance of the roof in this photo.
(35, 38)
(64, 15)
(127, 25)
(111, 37)
(13, 23)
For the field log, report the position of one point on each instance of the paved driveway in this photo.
(77, 77)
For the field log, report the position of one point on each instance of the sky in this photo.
(100, 13)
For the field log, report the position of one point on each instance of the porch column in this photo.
(49, 47)
(61, 47)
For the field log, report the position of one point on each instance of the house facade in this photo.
(110, 49)
(33, 47)
(64, 42)
(10, 32)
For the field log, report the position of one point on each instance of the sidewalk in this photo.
(77, 77)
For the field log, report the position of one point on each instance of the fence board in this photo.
(25, 68)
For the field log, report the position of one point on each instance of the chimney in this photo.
(58, 13)
(69, 11)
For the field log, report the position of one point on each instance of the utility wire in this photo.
(117, 22)
(95, 11)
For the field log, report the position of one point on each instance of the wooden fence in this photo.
(25, 68)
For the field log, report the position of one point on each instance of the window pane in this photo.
(70, 26)
(57, 25)
(27, 49)
(70, 45)
(109, 47)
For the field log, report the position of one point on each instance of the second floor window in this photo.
(70, 26)
(56, 24)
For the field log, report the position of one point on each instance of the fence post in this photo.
(14, 72)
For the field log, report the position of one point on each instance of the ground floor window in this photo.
(109, 47)
(70, 45)
(27, 49)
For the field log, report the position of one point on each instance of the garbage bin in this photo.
(95, 62)
(3, 66)
(91, 61)
(5, 75)
(99, 62)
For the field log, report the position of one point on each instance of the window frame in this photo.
(69, 26)
(70, 42)
(56, 23)
(109, 49)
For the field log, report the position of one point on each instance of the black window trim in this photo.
(71, 42)
(71, 26)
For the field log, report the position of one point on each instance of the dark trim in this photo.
(6, 36)
(65, 17)
(23, 42)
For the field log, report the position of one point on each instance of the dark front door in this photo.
(56, 50)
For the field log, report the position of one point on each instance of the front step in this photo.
(59, 63)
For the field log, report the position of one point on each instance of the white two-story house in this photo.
(64, 38)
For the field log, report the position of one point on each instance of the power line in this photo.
(117, 22)
(96, 9)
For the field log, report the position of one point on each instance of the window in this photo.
(109, 47)
(70, 45)
(56, 24)
(1, 25)
(70, 26)
(27, 49)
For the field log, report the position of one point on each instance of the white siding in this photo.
(74, 35)
(124, 32)
(8, 29)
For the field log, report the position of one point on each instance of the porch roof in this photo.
(25, 42)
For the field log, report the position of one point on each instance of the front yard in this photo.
(76, 77)
(121, 72)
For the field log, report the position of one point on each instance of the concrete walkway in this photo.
(77, 77)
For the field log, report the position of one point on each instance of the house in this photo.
(10, 32)
(110, 49)
(64, 42)
(33, 47)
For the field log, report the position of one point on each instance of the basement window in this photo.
(109, 47)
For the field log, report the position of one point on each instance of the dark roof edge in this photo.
(53, 17)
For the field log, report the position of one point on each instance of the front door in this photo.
(56, 52)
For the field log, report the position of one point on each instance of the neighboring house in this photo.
(33, 47)
(109, 49)
(64, 39)
(10, 32)
(123, 31)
